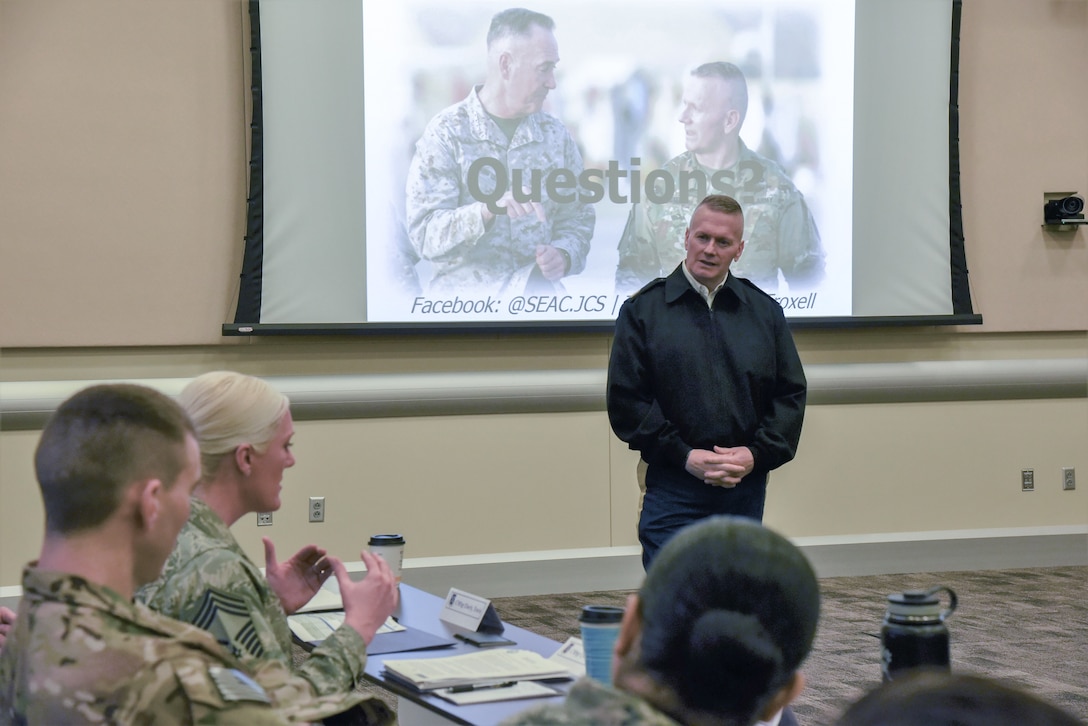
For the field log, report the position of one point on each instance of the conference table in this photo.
(420, 610)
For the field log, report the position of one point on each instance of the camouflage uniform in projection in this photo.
(444, 222)
(82, 654)
(590, 702)
(209, 581)
(779, 231)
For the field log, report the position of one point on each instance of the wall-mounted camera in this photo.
(1063, 210)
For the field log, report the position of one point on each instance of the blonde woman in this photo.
(244, 429)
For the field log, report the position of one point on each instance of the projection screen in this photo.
(384, 157)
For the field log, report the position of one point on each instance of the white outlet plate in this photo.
(264, 519)
(1069, 478)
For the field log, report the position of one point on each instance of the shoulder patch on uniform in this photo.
(234, 685)
(648, 286)
(227, 618)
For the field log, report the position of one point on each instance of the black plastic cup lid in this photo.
(386, 540)
(921, 604)
(601, 614)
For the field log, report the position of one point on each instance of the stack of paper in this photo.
(503, 692)
(487, 666)
(313, 628)
(327, 597)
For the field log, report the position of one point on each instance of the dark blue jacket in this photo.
(683, 376)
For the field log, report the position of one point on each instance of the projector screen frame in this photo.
(248, 310)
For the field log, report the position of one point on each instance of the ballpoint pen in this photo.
(484, 687)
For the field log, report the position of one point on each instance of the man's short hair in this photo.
(720, 203)
(98, 442)
(516, 21)
(732, 75)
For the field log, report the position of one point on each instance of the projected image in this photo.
(547, 169)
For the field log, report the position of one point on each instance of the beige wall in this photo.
(121, 170)
(122, 167)
(463, 485)
(1024, 132)
(467, 485)
(122, 185)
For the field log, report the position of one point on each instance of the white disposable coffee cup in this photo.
(390, 547)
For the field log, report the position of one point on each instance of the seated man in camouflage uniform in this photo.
(116, 465)
(715, 635)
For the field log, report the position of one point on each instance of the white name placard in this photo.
(464, 610)
(468, 611)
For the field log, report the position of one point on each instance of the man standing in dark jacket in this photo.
(705, 382)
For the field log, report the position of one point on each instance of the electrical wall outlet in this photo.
(1069, 478)
(264, 519)
(1027, 480)
(317, 509)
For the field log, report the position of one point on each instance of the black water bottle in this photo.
(914, 634)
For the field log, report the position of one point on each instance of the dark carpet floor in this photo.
(1027, 627)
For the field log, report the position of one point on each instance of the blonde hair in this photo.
(229, 409)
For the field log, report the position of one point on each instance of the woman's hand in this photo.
(298, 579)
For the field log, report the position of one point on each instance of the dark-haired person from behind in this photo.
(936, 698)
(716, 635)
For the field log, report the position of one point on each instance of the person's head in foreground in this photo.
(937, 698)
(244, 429)
(720, 626)
(715, 635)
(116, 464)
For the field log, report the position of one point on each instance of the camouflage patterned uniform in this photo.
(444, 222)
(779, 231)
(82, 654)
(590, 702)
(208, 580)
